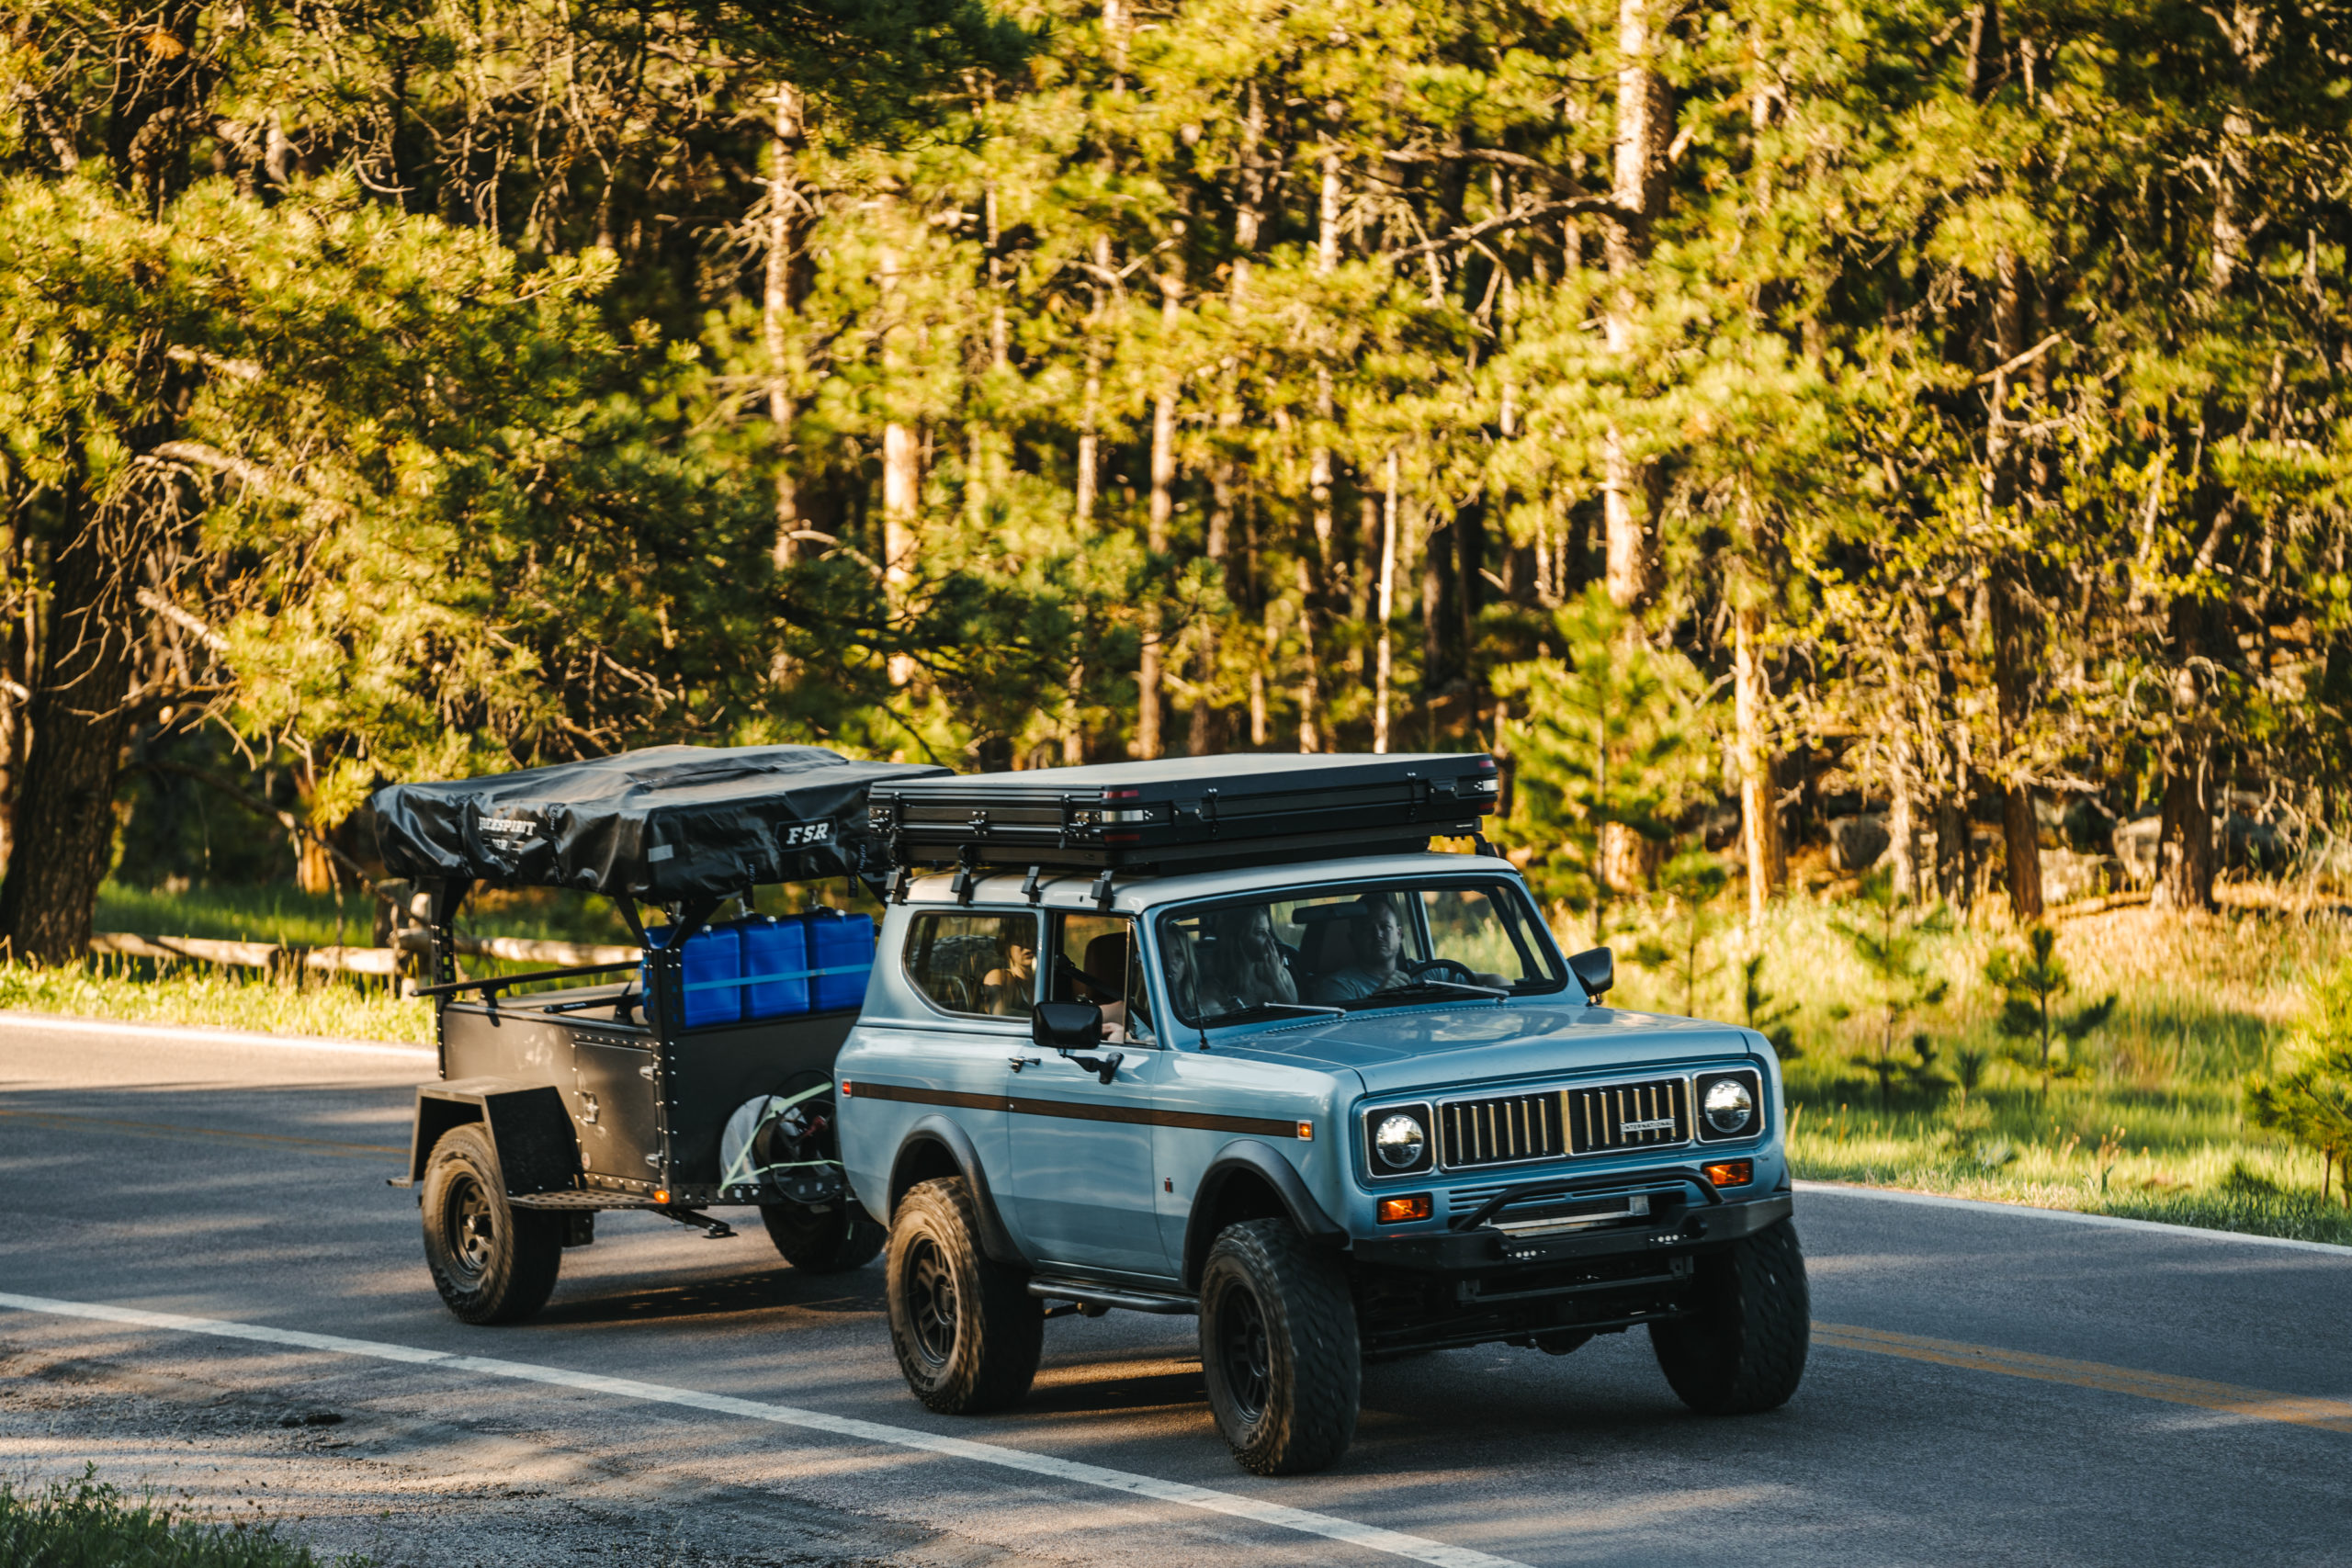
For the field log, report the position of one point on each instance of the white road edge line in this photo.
(2069, 1216)
(57, 1023)
(1370, 1537)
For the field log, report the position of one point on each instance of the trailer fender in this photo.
(529, 1128)
(935, 1146)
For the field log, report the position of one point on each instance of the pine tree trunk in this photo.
(79, 720)
(776, 311)
(1632, 490)
(1387, 610)
(1759, 797)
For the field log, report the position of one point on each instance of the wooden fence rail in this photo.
(278, 957)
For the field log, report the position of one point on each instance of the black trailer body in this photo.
(1188, 812)
(552, 1105)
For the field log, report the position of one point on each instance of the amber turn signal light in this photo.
(1731, 1172)
(661, 1194)
(1307, 1130)
(1395, 1211)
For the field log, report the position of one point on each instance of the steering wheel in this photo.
(1453, 968)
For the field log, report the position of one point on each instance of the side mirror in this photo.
(1067, 1026)
(1595, 969)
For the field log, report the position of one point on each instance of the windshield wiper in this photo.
(1384, 998)
(1253, 1011)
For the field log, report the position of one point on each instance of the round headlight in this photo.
(1400, 1141)
(1728, 1105)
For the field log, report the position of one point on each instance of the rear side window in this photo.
(979, 965)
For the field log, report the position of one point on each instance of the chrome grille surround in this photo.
(1613, 1118)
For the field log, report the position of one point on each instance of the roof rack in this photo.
(1188, 813)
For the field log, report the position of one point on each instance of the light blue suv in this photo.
(1344, 1108)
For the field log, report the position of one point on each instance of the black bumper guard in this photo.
(1471, 1244)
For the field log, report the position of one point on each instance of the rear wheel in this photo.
(967, 1331)
(491, 1261)
(1742, 1349)
(1279, 1350)
(833, 1240)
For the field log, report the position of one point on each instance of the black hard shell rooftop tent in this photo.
(1185, 812)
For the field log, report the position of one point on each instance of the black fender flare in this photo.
(530, 1129)
(938, 1131)
(1252, 1158)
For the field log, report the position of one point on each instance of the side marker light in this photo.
(1412, 1206)
(661, 1194)
(1730, 1172)
(1307, 1130)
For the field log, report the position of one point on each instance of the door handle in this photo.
(1020, 1061)
(1101, 1066)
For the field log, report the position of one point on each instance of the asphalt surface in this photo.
(1986, 1387)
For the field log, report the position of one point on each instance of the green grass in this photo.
(85, 1523)
(285, 915)
(2200, 1002)
(233, 999)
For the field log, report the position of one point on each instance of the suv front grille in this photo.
(1628, 1116)
(1501, 1132)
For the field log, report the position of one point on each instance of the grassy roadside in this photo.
(228, 999)
(86, 1524)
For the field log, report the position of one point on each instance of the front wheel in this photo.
(491, 1261)
(832, 1240)
(967, 1332)
(1742, 1347)
(1279, 1350)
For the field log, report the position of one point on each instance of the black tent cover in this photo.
(663, 824)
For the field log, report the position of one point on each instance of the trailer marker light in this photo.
(1412, 1206)
(661, 1194)
(1730, 1172)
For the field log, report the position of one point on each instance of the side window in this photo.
(981, 965)
(1097, 960)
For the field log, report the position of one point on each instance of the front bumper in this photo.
(1673, 1225)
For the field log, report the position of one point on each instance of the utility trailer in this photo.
(674, 1084)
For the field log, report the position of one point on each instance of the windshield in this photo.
(1382, 944)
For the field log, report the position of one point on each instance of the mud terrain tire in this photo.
(1742, 1349)
(1279, 1348)
(967, 1331)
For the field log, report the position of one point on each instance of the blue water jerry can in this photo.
(841, 951)
(714, 965)
(776, 966)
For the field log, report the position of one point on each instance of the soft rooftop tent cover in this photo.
(663, 824)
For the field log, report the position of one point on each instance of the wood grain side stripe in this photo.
(1074, 1109)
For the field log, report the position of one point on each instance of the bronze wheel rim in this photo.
(932, 1306)
(1244, 1353)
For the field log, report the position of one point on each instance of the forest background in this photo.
(1790, 436)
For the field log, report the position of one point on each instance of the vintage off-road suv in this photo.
(1230, 1042)
(1215, 1036)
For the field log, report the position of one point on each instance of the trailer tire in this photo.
(1742, 1349)
(832, 1242)
(967, 1332)
(491, 1261)
(1279, 1348)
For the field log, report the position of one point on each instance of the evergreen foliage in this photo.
(413, 386)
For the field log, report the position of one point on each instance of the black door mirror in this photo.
(1067, 1026)
(1595, 969)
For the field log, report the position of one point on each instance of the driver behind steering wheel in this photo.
(1376, 939)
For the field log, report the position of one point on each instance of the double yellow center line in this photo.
(2333, 1414)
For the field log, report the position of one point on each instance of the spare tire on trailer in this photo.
(791, 1134)
(831, 1240)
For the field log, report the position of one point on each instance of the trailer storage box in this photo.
(1184, 811)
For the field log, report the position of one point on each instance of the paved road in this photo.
(1985, 1387)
